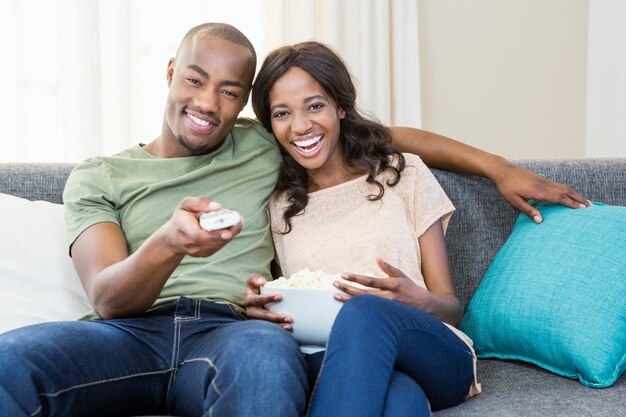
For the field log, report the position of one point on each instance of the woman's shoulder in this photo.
(415, 176)
(413, 161)
(277, 205)
(412, 166)
(278, 201)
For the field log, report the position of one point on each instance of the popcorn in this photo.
(305, 278)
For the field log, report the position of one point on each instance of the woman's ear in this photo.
(170, 72)
(342, 114)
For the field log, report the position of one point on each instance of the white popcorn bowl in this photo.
(313, 311)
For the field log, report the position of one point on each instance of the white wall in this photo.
(507, 76)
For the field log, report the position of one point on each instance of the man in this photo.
(169, 334)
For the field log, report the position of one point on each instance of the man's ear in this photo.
(170, 72)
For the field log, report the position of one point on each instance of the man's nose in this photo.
(208, 101)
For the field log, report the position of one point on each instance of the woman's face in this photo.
(306, 121)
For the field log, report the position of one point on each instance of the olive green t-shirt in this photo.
(140, 192)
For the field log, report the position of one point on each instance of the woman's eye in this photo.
(316, 106)
(280, 114)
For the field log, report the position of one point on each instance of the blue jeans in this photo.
(387, 359)
(188, 358)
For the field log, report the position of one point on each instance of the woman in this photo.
(346, 200)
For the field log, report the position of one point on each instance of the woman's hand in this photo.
(255, 303)
(517, 185)
(397, 286)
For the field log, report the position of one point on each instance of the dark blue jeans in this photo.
(387, 359)
(188, 358)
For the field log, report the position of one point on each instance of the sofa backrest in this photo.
(35, 181)
(483, 219)
(480, 225)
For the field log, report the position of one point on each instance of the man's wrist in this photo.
(496, 167)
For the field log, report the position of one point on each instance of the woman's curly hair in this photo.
(366, 143)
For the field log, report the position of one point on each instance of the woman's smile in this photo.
(307, 123)
(310, 147)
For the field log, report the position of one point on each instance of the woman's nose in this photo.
(301, 123)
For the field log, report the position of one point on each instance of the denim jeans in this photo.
(188, 358)
(384, 358)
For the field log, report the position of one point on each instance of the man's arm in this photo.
(517, 185)
(120, 285)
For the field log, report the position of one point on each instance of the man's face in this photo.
(209, 85)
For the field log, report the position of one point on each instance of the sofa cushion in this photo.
(554, 295)
(38, 282)
(514, 389)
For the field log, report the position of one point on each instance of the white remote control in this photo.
(219, 219)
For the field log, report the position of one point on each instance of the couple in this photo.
(169, 332)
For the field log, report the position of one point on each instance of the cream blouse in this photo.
(341, 231)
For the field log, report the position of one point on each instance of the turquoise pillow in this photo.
(555, 295)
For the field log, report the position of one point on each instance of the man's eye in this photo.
(230, 93)
(193, 81)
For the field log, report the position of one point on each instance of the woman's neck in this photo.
(326, 178)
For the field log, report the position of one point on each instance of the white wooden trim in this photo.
(606, 79)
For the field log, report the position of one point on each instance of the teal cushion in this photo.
(555, 295)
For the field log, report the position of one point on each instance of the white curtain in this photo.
(87, 77)
(377, 39)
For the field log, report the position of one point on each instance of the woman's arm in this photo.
(438, 298)
(517, 185)
(443, 302)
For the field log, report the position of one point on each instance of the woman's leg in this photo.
(313, 365)
(371, 337)
(405, 398)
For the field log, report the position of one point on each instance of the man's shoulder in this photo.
(94, 161)
(96, 172)
(252, 128)
(247, 122)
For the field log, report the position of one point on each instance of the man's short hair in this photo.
(223, 31)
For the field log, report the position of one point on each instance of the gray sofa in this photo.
(479, 227)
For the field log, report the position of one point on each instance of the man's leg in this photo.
(94, 368)
(243, 368)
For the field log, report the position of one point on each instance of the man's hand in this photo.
(517, 185)
(255, 303)
(122, 285)
(184, 234)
